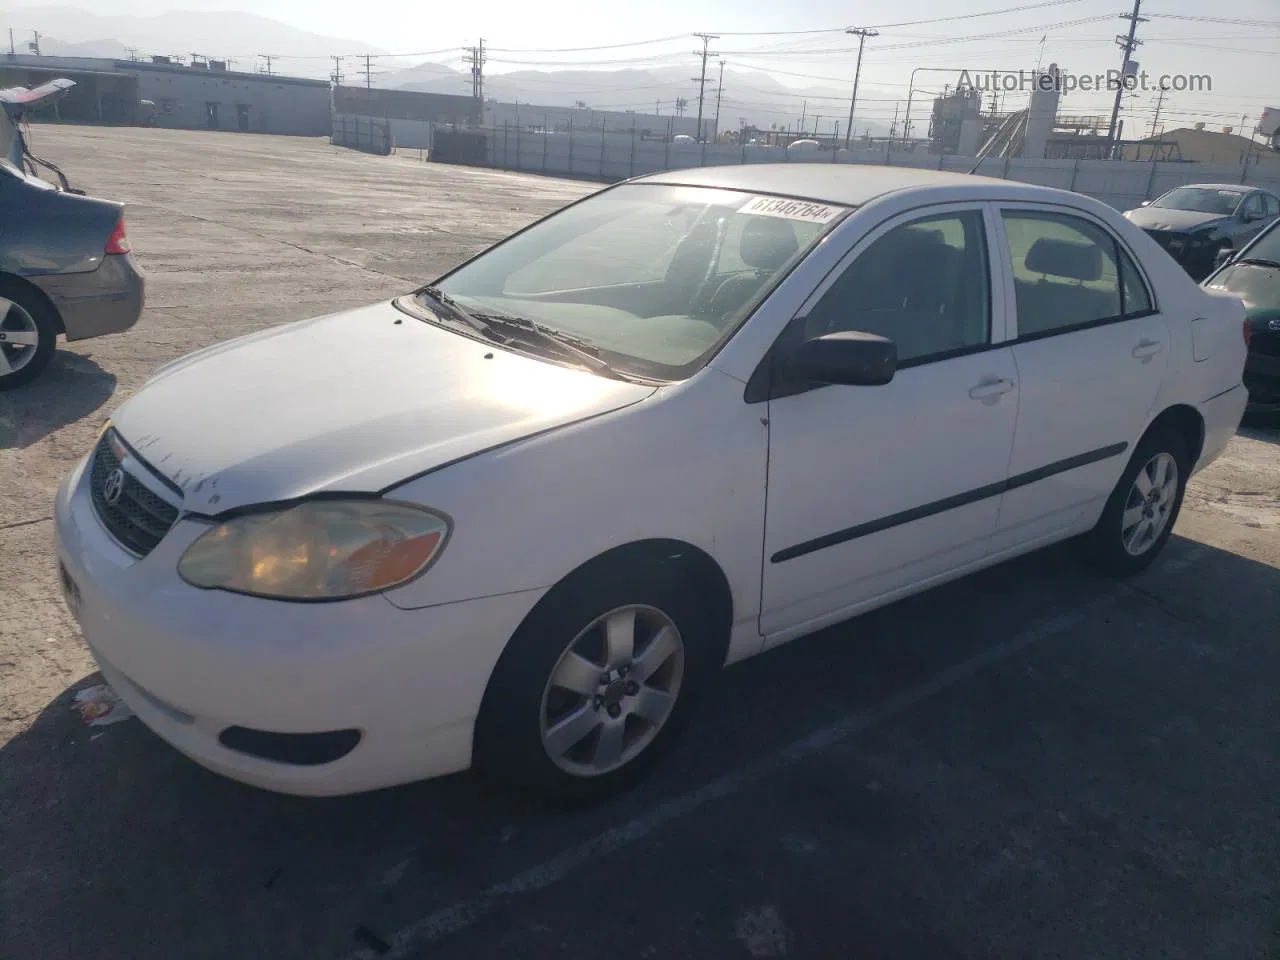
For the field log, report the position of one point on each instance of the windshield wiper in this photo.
(451, 307)
(567, 343)
(1257, 262)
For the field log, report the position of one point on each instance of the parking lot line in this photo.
(458, 916)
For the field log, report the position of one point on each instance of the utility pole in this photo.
(1128, 45)
(861, 33)
(368, 71)
(477, 71)
(804, 112)
(705, 52)
(35, 43)
(1155, 121)
(337, 71)
(12, 51)
(267, 57)
(719, 91)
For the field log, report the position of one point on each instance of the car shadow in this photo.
(70, 388)
(115, 844)
(1261, 425)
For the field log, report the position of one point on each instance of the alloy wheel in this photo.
(612, 690)
(19, 337)
(1150, 504)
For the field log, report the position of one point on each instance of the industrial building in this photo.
(203, 94)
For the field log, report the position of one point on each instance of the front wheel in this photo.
(594, 687)
(1139, 516)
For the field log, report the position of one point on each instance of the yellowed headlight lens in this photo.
(319, 550)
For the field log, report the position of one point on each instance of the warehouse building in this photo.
(202, 95)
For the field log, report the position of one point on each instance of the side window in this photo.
(1064, 272)
(1136, 298)
(1254, 207)
(1272, 204)
(923, 285)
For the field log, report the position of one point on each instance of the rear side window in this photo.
(1065, 271)
(1272, 205)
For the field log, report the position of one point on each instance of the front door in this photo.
(1091, 352)
(875, 489)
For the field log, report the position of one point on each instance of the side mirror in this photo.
(1145, 203)
(850, 358)
(1224, 256)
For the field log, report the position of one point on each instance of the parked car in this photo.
(520, 518)
(65, 261)
(1195, 222)
(1253, 275)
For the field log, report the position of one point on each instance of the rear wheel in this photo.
(595, 686)
(1139, 516)
(28, 333)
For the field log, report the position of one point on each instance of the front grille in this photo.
(136, 517)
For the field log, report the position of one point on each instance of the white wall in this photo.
(1122, 183)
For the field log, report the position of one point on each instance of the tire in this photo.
(29, 317)
(523, 712)
(1109, 547)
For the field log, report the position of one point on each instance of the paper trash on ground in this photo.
(100, 706)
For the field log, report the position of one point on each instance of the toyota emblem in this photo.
(113, 486)
(1274, 325)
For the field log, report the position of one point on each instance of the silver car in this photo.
(65, 261)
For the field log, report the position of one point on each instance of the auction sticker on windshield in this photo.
(791, 209)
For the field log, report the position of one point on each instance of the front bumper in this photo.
(106, 300)
(191, 662)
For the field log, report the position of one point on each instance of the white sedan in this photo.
(519, 519)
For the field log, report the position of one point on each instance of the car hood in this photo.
(354, 402)
(1165, 218)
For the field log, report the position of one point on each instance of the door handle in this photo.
(1147, 348)
(991, 388)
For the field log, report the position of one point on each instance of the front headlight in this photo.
(317, 550)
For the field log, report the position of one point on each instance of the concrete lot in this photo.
(1028, 763)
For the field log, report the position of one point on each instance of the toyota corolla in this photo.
(520, 518)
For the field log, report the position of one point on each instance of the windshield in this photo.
(1201, 200)
(653, 278)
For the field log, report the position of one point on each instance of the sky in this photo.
(1237, 45)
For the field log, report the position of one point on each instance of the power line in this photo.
(603, 46)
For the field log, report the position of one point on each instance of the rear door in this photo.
(1092, 350)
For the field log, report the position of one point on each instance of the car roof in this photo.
(846, 184)
(1226, 187)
